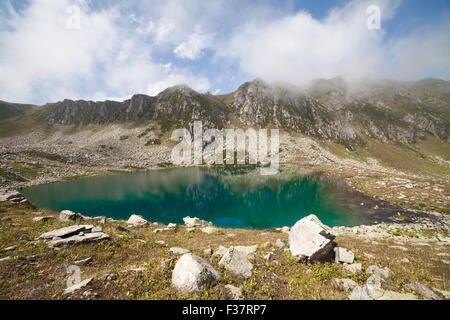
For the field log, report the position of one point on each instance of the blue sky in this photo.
(112, 49)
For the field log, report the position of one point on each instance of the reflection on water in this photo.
(227, 197)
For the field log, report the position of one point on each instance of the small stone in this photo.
(122, 228)
(11, 248)
(280, 244)
(160, 242)
(46, 218)
(209, 230)
(285, 229)
(268, 257)
(353, 268)
(368, 256)
(235, 293)
(87, 293)
(67, 216)
(195, 222)
(343, 255)
(82, 262)
(136, 270)
(405, 260)
(208, 252)
(399, 248)
(136, 220)
(97, 229)
(178, 250)
(78, 286)
(5, 258)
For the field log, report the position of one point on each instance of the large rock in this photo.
(72, 235)
(311, 240)
(136, 220)
(13, 196)
(235, 261)
(192, 273)
(78, 239)
(378, 275)
(343, 255)
(372, 292)
(195, 222)
(66, 231)
(426, 292)
(345, 284)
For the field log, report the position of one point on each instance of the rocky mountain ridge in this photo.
(334, 110)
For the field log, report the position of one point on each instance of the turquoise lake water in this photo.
(228, 197)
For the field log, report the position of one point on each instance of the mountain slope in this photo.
(334, 110)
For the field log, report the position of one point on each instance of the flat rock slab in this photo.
(426, 292)
(192, 273)
(371, 292)
(78, 239)
(311, 240)
(66, 231)
(72, 235)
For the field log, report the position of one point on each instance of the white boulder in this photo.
(311, 240)
(192, 273)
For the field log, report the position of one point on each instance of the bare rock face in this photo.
(310, 240)
(192, 273)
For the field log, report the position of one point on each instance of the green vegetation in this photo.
(37, 272)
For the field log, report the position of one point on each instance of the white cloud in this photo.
(298, 48)
(129, 47)
(193, 48)
(42, 60)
